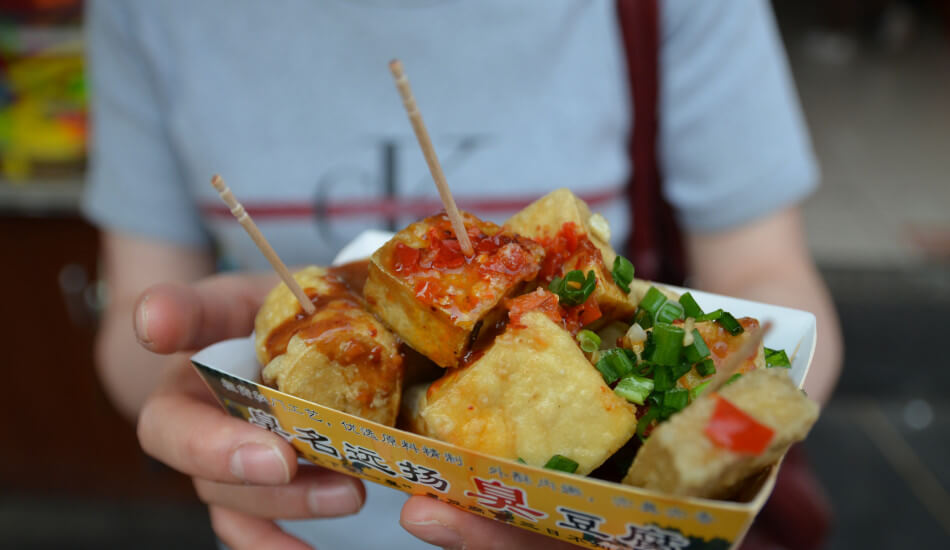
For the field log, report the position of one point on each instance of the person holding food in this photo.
(293, 104)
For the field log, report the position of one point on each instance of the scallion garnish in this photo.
(562, 464)
(776, 358)
(680, 369)
(697, 351)
(705, 367)
(669, 344)
(675, 400)
(588, 340)
(690, 307)
(669, 312)
(652, 301)
(698, 390)
(725, 319)
(730, 323)
(652, 414)
(663, 378)
(615, 363)
(622, 273)
(732, 378)
(634, 388)
(643, 318)
(520, 460)
(574, 288)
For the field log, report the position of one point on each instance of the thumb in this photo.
(446, 526)
(172, 317)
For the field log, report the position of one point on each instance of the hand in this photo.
(446, 526)
(246, 475)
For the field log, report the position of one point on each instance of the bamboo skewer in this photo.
(735, 360)
(237, 209)
(415, 117)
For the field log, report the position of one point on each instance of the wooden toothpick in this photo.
(248, 224)
(750, 346)
(415, 117)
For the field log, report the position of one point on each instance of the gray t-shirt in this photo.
(293, 104)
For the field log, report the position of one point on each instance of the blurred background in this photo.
(874, 80)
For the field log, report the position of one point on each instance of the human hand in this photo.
(247, 476)
(448, 527)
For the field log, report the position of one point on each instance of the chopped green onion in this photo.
(669, 344)
(697, 351)
(730, 323)
(562, 464)
(680, 369)
(521, 460)
(652, 301)
(725, 319)
(643, 318)
(675, 399)
(588, 340)
(573, 289)
(622, 273)
(776, 358)
(615, 364)
(733, 378)
(711, 316)
(663, 378)
(669, 312)
(652, 414)
(634, 388)
(705, 367)
(698, 390)
(690, 307)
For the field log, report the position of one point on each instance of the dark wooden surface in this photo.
(59, 431)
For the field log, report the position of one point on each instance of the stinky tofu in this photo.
(434, 297)
(531, 394)
(573, 238)
(679, 458)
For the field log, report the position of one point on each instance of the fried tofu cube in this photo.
(437, 299)
(345, 359)
(680, 459)
(573, 238)
(532, 394)
(281, 315)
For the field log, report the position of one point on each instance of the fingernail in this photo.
(140, 321)
(259, 463)
(437, 533)
(334, 500)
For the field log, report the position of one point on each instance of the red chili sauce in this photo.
(441, 275)
(567, 247)
(572, 318)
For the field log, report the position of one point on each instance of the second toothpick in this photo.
(402, 84)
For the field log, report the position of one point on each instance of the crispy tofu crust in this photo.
(531, 395)
(345, 359)
(542, 221)
(437, 300)
(679, 459)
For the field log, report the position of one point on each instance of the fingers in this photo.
(446, 526)
(196, 437)
(171, 317)
(314, 493)
(241, 531)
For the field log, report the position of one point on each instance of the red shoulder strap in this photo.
(655, 246)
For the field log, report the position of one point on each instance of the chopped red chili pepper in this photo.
(732, 429)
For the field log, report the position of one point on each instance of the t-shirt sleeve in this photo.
(134, 184)
(733, 144)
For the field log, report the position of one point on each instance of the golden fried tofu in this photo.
(681, 458)
(437, 299)
(721, 346)
(345, 359)
(531, 395)
(573, 238)
(281, 315)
